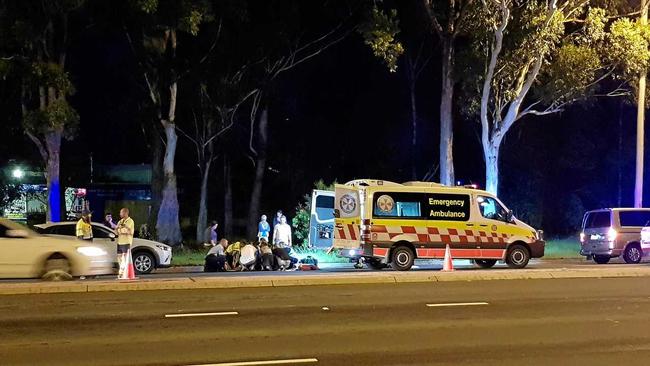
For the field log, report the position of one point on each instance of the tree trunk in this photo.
(491, 154)
(414, 128)
(53, 146)
(167, 226)
(446, 116)
(202, 221)
(157, 181)
(227, 200)
(620, 156)
(260, 168)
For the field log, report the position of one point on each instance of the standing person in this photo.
(263, 229)
(124, 231)
(210, 236)
(84, 228)
(276, 219)
(282, 238)
(108, 221)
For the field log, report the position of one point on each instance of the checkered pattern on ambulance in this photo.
(423, 234)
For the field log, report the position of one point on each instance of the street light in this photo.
(18, 173)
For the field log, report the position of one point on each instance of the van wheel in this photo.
(57, 268)
(632, 254)
(518, 257)
(375, 263)
(485, 263)
(402, 258)
(601, 259)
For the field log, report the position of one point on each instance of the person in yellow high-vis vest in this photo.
(124, 230)
(84, 228)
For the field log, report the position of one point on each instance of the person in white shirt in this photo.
(248, 257)
(282, 241)
(282, 234)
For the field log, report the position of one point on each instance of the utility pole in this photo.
(640, 123)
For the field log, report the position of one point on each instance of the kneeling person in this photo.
(215, 260)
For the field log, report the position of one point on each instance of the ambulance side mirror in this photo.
(510, 217)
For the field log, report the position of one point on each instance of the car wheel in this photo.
(485, 263)
(57, 268)
(375, 263)
(517, 257)
(143, 262)
(402, 258)
(601, 259)
(632, 254)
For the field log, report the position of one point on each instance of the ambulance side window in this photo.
(406, 205)
(491, 209)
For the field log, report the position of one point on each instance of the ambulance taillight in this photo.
(365, 230)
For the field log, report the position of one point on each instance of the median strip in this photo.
(189, 315)
(457, 304)
(258, 363)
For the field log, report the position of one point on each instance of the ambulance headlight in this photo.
(91, 251)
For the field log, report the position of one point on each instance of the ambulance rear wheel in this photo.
(375, 263)
(518, 256)
(402, 258)
(486, 263)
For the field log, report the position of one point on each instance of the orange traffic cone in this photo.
(129, 272)
(448, 264)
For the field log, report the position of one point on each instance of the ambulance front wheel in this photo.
(402, 258)
(518, 256)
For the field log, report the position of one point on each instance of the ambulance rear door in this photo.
(347, 217)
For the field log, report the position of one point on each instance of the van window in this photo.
(423, 206)
(325, 202)
(397, 205)
(491, 209)
(634, 218)
(597, 220)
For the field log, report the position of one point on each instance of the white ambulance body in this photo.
(393, 224)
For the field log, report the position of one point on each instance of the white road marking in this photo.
(200, 314)
(258, 363)
(457, 304)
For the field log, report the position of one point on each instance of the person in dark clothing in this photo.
(215, 260)
(266, 255)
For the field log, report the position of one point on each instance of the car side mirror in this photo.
(17, 234)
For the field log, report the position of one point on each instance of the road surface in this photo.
(517, 322)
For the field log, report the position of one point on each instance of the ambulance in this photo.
(393, 224)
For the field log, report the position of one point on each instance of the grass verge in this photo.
(555, 249)
(562, 249)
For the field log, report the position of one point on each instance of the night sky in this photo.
(342, 116)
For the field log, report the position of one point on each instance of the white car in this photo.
(147, 254)
(26, 254)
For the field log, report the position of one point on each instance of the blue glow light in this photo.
(54, 200)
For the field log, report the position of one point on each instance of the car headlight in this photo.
(91, 251)
(163, 247)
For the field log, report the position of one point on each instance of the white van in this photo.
(391, 223)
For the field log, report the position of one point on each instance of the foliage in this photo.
(300, 221)
(380, 34)
(9, 192)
